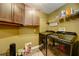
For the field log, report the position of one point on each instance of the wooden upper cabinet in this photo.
(28, 17)
(12, 12)
(31, 19)
(23, 13)
(17, 13)
(5, 12)
(36, 20)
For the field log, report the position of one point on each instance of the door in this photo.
(36, 20)
(31, 18)
(23, 13)
(28, 16)
(17, 13)
(5, 12)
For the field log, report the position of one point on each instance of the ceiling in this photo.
(46, 7)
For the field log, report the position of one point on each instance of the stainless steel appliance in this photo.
(43, 41)
(58, 43)
(61, 44)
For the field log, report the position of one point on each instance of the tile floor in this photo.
(37, 52)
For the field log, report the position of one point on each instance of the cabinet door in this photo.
(19, 13)
(28, 22)
(35, 20)
(31, 18)
(23, 13)
(28, 17)
(5, 12)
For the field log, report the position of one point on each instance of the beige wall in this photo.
(71, 25)
(43, 22)
(8, 35)
(20, 36)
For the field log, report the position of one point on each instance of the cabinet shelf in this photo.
(68, 18)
